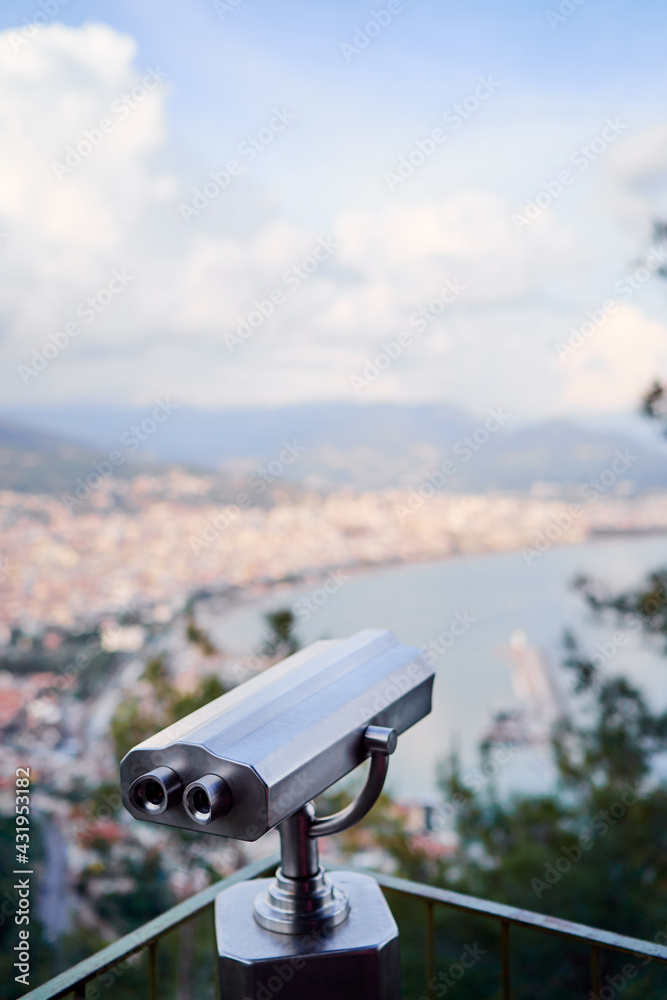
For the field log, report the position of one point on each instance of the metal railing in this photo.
(509, 915)
(73, 982)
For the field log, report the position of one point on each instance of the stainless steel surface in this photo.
(155, 792)
(207, 799)
(299, 854)
(252, 760)
(381, 742)
(300, 898)
(379, 739)
(357, 960)
(300, 905)
(285, 736)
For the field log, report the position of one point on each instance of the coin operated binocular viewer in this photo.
(251, 761)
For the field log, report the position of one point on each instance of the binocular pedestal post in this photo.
(305, 934)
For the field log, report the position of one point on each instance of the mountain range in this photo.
(337, 444)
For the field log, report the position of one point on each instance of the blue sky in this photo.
(356, 114)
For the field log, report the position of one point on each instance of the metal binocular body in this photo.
(251, 761)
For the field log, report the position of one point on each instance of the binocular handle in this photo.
(300, 898)
(381, 743)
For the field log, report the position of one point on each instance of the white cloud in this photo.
(164, 334)
(613, 369)
(65, 235)
(635, 188)
(469, 234)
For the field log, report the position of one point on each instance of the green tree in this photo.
(133, 722)
(280, 640)
(198, 637)
(594, 851)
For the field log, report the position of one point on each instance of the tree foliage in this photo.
(280, 640)
(136, 718)
(594, 850)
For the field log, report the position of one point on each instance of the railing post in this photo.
(596, 978)
(152, 970)
(186, 943)
(430, 949)
(505, 945)
(216, 978)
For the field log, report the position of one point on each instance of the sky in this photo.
(234, 202)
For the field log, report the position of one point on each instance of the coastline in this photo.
(151, 563)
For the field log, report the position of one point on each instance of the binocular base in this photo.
(357, 960)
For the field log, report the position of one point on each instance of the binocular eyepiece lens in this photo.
(200, 802)
(204, 800)
(156, 791)
(207, 799)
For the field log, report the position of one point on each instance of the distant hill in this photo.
(564, 453)
(214, 437)
(38, 462)
(365, 447)
(34, 461)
